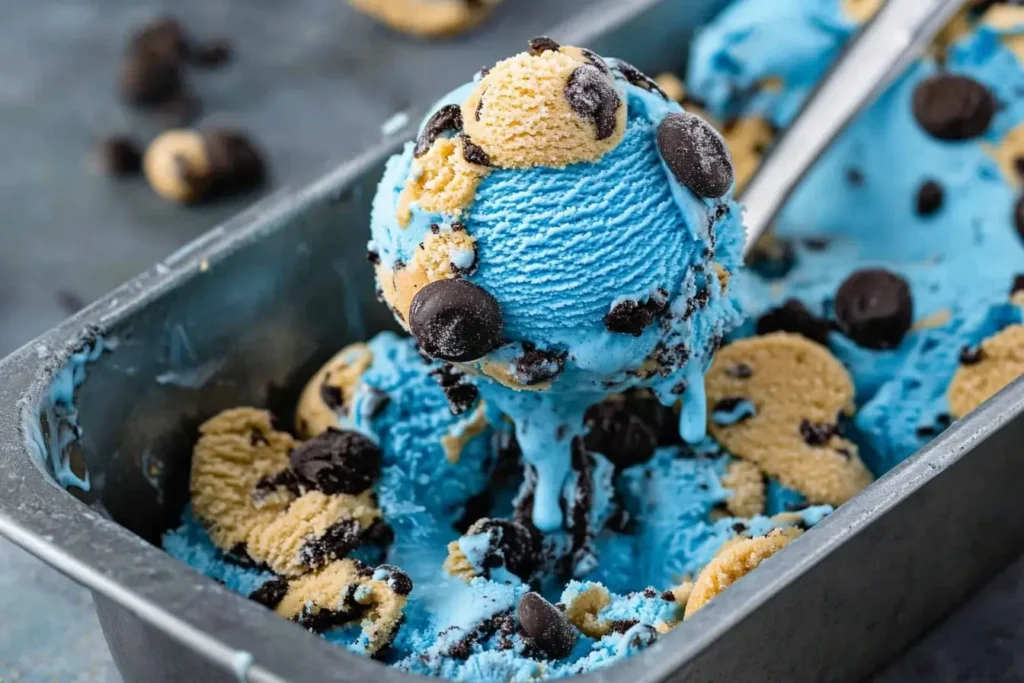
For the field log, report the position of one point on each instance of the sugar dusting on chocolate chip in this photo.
(593, 97)
(696, 154)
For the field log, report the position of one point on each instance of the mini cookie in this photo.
(331, 390)
(428, 18)
(443, 180)
(346, 591)
(984, 371)
(861, 11)
(798, 390)
(746, 482)
(1009, 154)
(552, 106)
(733, 562)
(748, 138)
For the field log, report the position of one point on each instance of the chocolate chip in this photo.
(618, 434)
(271, 593)
(696, 154)
(446, 119)
(929, 198)
(546, 626)
(332, 396)
(593, 97)
(596, 61)
(212, 54)
(336, 461)
(455, 320)
(773, 259)
(164, 37)
(951, 107)
(396, 579)
(236, 165)
(668, 596)
(622, 625)
(793, 316)
(1018, 284)
(873, 307)
(926, 431)
(971, 355)
(514, 546)
(1018, 166)
(632, 317)
(373, 257)
(817, 243)
(120, 156)
(460, 392)
(542, 44)
(536, 366)
(660, 419)
(635, 76)
(855, 176)
(147, 80)
(335, 543)
(473, 153)
(740, 371)
(1018, 216)
(817, 434)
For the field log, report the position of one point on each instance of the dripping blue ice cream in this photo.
(602, 267)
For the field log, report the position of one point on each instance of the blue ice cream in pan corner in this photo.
(582, 435)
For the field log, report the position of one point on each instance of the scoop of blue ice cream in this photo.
(563, 231)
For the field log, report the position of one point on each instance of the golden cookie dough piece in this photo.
(177, 165)
(734, 561)
(747, 138)
(746, 482)
(932, 320)
(462, 432)
(861, 11)
(235, 450)
(582, 612)
(525, 119)
(794, 380)
(428, 18)
(503, 374)
(433, 260)
(340, 376)
(348, 591)
(1007, 153)
(313, 531)
(722, 274)
(1006, 17)
(1002, 361)
(457, 564)
(441, 181)
(1017, 298)
(672, 86)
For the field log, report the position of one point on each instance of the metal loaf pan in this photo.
(245, 314)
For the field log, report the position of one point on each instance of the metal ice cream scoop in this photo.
(897, 35)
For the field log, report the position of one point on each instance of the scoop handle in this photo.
(884, 48)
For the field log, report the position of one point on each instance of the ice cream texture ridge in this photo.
(598, 419)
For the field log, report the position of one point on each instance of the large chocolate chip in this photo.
(793, 316)
(455, 320)
(619, 434)
(446, 119)
(546, 625)
(336, 461)
(592, 96)
(952, 107)
(929, 198)
(696, 154)
(543, 44)
(513, 545)
(874, 308)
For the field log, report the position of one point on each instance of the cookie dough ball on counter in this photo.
(428, 18)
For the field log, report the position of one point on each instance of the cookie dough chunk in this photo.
(747, 138)
(331, 390)
(552, 106)
(799, 390)
(1005, 18)
(983, 372)
(733, 562)
(443, 180)
(236, 450)
(746, 482)
(582, 611)
(346, 591)
(178, 167)
(428, 18)
(861, 11)
(1009, 151)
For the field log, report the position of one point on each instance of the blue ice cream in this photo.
(562, 231)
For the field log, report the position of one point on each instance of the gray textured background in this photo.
(312, 80)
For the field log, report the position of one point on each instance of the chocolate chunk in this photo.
(455, 320)
(1018, 216)
(793, 316)
(593, 97)
(396, 579)
(336, 461)
(446, 119)
(951, 107)
(332, 396)
(619, 434)
(929, 198)
(622, 625)
(148, 81)
(971, 355)
(236, 165)
(817, 434)
(660, 419)
(816, 243)
(855, 176)
(696, 154)
(546, 625)
(873, 307)
(473, 153)
(632, 317)
(212, 54)
(926, 431)
(543, 44)
(1018, 284)
(164, 38)
(641, 636)
(335, 543)
(635, 76)
(120, 156)
(271, 593)
(514, 545)
(1018, 166)
(596, 60)
(536, 366)
(740, 371)
(460, 392)
(285, 479)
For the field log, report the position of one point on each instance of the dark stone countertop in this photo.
(312, 80)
